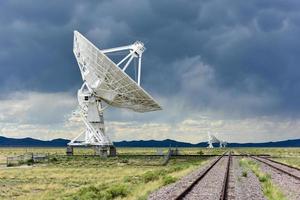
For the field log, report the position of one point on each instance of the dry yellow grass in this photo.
(284, 152)
(69, 178)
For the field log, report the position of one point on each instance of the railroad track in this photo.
(225, 186)
(190, 192)
(282, 167)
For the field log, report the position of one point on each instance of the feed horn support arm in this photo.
(135, 51)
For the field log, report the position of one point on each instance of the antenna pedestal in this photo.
(91, 112)
(69, 151)
(210, 145)
(104, 151)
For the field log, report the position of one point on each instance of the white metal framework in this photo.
(135, 51)
(105, 81)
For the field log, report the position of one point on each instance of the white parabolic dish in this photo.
(108, 81)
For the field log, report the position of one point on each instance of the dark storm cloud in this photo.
(248, 49)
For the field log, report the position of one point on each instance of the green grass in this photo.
(244, 173)
(130, 186)
(86, 177)
(169, 179)
(271, 191)
(101, 192)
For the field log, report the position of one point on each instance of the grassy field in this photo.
(128, 176)
(290, 156)
(86, 177)
(280, 152)
(293, 161)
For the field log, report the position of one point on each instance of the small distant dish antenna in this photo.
(213, 139)
(107, 82)
(210, 140)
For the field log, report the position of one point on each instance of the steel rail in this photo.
(277, 168)
(224, 191)
(280, 163)
(192, 185)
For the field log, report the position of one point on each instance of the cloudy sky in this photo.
(224, 66)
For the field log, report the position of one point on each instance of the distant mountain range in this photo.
(30, 142)
(173, 143)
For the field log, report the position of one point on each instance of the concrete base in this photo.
(102, 151)
(174, 152)
(112, 151)
(105, 151)
(69, 151)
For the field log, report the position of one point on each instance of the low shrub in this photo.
(132, 179)
(200, 152)
(30, 162)
(90, 192)
(124, 160)
(163, 172)
(54, 159)
(263, 178)
(177, 168)
(169, 179)
(102, 192)
(150, 176)
(118, 190)
(10, 165)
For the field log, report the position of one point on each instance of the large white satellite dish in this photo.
(103, 80)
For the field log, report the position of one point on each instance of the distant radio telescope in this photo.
(106, 81)
(213, 139)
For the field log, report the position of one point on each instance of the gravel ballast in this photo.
(288, 185)
(247, 187)
(173, 190)
(210, 186)
(243, 183)
(293, 171)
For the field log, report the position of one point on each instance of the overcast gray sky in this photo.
(225, 66)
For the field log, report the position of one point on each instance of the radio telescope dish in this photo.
(213, 139)
(107, 80)
(104, 80)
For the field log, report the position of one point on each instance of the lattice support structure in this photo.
(91, 112)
